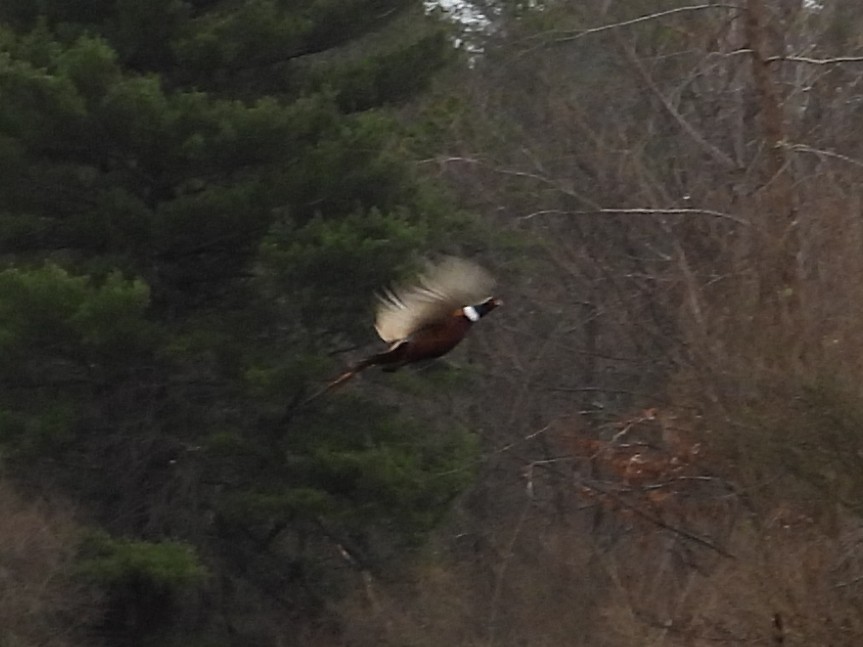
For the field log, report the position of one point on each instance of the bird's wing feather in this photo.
(451, 284)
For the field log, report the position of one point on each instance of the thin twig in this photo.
(530, 436)
(803, 148)
(528, 175)
(842, 585)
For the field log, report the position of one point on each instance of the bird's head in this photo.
(478, 311)
(488, 305)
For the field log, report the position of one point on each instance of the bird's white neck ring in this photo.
(471, 313)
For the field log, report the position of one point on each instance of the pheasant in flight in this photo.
(430, 317)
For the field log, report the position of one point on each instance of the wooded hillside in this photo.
(658, 440)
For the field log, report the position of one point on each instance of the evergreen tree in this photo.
(196, 199)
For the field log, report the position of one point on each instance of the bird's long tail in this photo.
(341, 379)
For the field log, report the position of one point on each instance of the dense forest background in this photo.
(658, 441)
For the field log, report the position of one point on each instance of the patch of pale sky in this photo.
(459, 11)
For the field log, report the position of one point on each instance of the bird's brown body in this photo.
(430, 342)
(429, 319)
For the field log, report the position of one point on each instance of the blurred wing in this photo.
(451, 284)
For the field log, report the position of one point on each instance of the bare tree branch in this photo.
(688, 128)
(780, 58)
(673, 211)
(591, 485)
(640, 19)
(812, 61)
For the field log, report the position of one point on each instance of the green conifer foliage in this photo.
(197, 199)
